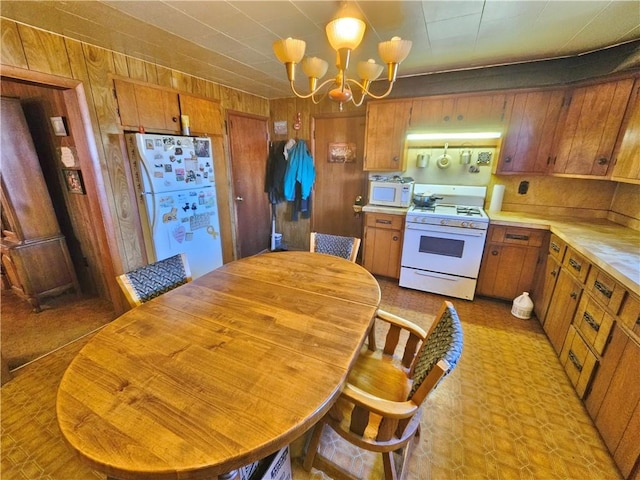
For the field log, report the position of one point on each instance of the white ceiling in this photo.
(229, 42)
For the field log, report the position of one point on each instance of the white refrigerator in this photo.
(175, 186)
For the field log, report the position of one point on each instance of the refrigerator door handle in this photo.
(145, 171)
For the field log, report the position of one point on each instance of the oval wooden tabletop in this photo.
(220, 372)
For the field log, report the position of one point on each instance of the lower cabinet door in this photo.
(562, 308)
(579, 362)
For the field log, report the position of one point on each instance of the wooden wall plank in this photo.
(181, 81)
(11, 52)
(151, 72)
(45, 52)
(137, 69)
(120, 64)
(164, 76)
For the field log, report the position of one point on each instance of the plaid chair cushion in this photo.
(334, 245)
(445, 342)
(153, 280)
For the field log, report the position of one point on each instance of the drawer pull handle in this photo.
(574, 360)
(638, 320)
(385, 222)
(514, 236)
(602, 289)
(574, 295)
(575, 265)
(591, 321)
(555, 247)
(554, 273)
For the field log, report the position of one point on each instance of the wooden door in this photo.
(627, 154)
(249, 149)
(562, 308)
(527, 145)
(338, 182)
(386, 128)
(590, 128)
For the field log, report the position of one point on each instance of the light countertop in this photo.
(612, 247)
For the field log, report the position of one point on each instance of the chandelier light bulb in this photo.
(346, 32)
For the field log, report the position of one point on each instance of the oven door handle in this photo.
(466, 232)
(436, 275)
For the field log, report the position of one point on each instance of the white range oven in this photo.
(443, 243)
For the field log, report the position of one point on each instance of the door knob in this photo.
(239, 198)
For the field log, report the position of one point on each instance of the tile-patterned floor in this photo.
(507, 411)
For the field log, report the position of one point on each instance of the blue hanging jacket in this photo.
(300, 169)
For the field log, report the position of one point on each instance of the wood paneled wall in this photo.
(39, 51)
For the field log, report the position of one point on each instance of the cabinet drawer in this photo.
(557, 247)
(577, 265)
(593, 323)
(381, 220)
(608, 292)
(578, 361)
(517, 236)
(630, 314)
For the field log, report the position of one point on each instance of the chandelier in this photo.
(344, 35)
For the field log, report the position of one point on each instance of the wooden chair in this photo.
(150, 281)
(345, 247)
(380, 407)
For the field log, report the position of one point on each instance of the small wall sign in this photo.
(342, 152)
(73, 179)
(59, 126)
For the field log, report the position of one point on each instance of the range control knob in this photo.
(466, 224)
(444, 222)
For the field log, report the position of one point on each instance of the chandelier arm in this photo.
(311, 94)
(365, 91)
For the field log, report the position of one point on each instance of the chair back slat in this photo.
(444, 342)
(344, 247)
(150, 281)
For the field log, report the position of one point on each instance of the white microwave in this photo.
(390, 193)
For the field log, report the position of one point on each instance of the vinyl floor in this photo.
(508, 411)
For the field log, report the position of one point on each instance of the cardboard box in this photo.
(248, 470)
(274, 467)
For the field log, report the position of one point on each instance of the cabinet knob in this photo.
(494, 252)
(395, 238)
(396, 158)
(174, 119)
(507, 159)
(603, 161)
(553, 273)
(460, 117)
(574, 295)
(446, 118)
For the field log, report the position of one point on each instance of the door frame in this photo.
(104, 240)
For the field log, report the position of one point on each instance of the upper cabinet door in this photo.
(627, 152)
(146, 107)
(531, 123)
(459, 112)
(384, 136)
(205, 116)
(588, 131)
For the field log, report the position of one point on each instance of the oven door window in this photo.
(448, 247)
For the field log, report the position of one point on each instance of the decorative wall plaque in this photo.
(342, 152)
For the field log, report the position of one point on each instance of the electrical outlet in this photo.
(523, 188)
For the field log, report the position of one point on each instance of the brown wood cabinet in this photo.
(383, 244)
(578, 361)
(545, 285)
(385, 134)
(627, 152)
(562, 308)
(589, 127)
(531, 126)
(511, 257)
(205, 116)
(35, 258)
(147, 107)
(459, 112)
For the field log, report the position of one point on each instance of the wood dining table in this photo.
(220, 372)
